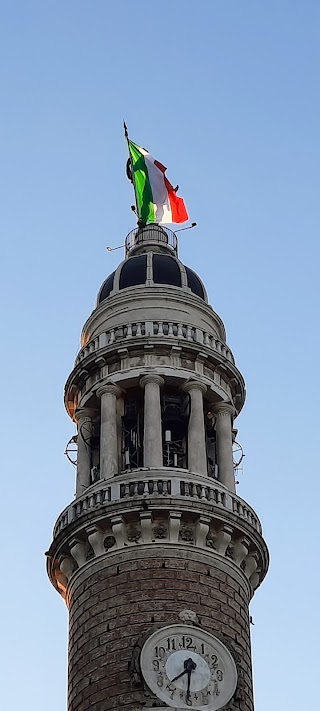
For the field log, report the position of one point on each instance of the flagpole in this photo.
(132, 171)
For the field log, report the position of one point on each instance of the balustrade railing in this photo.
(148, 484)
(139, 329)
(142, 488)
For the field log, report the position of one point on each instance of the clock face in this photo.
(187, 667)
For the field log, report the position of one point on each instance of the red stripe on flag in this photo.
(160, 166)
(177, 204)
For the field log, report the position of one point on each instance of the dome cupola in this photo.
(152, 259)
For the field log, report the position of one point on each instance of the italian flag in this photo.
(157, 200)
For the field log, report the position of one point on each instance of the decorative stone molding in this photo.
(223, 408)
(83, 414)
(194, 385)
(151, 378)
(223, 538)
(174, 526)
(96, 539)
(108, 387)
(189, 617)
(111, 533)
(202, 530)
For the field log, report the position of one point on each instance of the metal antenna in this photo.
(112, 249)
(193, 224)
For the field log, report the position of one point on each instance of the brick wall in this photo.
(110, 608)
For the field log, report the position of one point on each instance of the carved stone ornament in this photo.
(134, 664)
(211, 539)
(186, 534)
(189, 616)
(229, 553)
(160, 531)
(133, 534)
(89, 552)
(109, 542)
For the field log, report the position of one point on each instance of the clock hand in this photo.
(189, 666)
(179, 675)
(188, 689)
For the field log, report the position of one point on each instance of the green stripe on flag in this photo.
(143, 191)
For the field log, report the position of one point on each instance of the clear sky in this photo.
(226, 93)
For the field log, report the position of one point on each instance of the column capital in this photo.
(111, 388)
(194, 385)
(223, 408)
(151, 378)
(83, 413)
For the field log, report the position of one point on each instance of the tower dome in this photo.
(149, 268)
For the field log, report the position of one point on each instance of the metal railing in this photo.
(151, 234)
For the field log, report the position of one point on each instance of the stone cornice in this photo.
(162, 524)
(95, 361)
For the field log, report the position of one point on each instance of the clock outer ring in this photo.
(182, 629)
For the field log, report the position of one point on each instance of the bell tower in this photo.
(157, 557)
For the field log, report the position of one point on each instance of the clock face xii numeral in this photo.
(172, 644)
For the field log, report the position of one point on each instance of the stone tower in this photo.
(157, 557)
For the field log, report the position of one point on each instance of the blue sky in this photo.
(227, 95)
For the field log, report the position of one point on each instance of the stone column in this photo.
(84, 421)
(152, 437)
(197, 454)
(108, 394)
(224, 412)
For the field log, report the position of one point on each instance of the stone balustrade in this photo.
(145, 483)
(161, 329)
(156, 508)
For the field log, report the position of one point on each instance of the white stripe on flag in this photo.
(159, 191)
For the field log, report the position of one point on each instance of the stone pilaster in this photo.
(108, 394)
(197, 455)
(224, 412)
(84, 421)
(152, 439)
